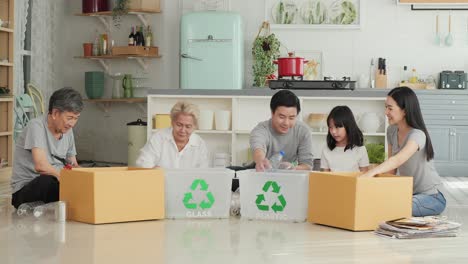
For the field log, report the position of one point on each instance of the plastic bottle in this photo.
(55, 209)
(96, 46)
(276, 159)
(404, 75)
(44, 209)
(414, 76)
(28, 208)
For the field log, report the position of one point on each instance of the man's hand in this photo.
(263, 165)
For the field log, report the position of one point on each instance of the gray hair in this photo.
(184, 107)
(66, 99)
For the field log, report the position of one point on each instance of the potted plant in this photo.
(264, 51)
(119, 8)
(376, 153)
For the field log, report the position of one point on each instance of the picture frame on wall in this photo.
(314, 14)
(314, 65)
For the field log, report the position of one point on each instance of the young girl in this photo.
(410, 151)
(345, 150)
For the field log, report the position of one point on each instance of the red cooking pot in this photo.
(290, 66)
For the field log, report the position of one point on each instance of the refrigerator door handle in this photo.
(186, 56)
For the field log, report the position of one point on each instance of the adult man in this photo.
(43, 148)
(283, 132)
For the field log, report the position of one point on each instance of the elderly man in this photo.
(44, 147)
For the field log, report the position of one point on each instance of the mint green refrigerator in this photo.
(211, 51)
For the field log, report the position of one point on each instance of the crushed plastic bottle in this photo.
(45, 209)
(56, 210)
(276, 160)
(28, 208)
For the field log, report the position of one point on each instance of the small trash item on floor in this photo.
(235, 203)
(56, 210)
(28, 208)
(418, 227)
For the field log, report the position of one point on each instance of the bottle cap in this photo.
(281, 153)
(405, 68)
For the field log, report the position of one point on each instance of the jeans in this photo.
(42, 188)
(425, 204)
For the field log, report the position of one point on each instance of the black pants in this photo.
(42, 188)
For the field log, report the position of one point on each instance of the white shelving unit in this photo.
(248, 111)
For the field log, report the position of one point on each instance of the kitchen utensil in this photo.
(449, 38)
(222, 119)
(136, 140)
(94, 84)
(369, 122)
(205, 122)
(291, 66)
(117, 90)
(127, 84)
(372, 74)
(87, 49)
(438, 38)
(317, 121)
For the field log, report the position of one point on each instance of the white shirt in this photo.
(161, 150)
(340, 160)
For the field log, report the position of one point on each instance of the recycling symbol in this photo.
(189, 202)
(275, 189)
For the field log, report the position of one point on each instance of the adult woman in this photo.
(177, 146)
(411, 152)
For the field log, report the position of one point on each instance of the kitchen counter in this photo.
(315, 93)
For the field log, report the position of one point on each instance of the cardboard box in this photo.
(135, 50)
(147, 5)
(348, 201)
(109, 195)
(280, 195)
(198, 193)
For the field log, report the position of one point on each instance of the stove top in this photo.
(328, 83)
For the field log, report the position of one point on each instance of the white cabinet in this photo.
(248, 111)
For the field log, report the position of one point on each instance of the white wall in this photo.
(402, 36)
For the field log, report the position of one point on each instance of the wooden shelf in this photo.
(105, 17)
(142, 60)
(4, 29)
(9, 133)
(106, 103)
(6, 98)
(7, 64)
(130, 12)
(110, 57)
(112, 100)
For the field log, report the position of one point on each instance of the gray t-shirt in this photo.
(296, 144)
(37, 135)
(425, 177)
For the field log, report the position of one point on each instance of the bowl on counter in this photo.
(317, 122)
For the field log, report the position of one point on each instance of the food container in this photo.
(290, 66)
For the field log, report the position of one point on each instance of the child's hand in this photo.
(367, 175)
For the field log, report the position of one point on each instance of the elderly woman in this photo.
(177, 146)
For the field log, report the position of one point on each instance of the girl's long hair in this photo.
(342, 116)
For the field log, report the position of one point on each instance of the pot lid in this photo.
(291, 55)
(139, 122)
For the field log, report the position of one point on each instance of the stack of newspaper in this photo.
(418, 227)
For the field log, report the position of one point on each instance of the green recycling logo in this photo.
(275, 189)
(189, 203)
